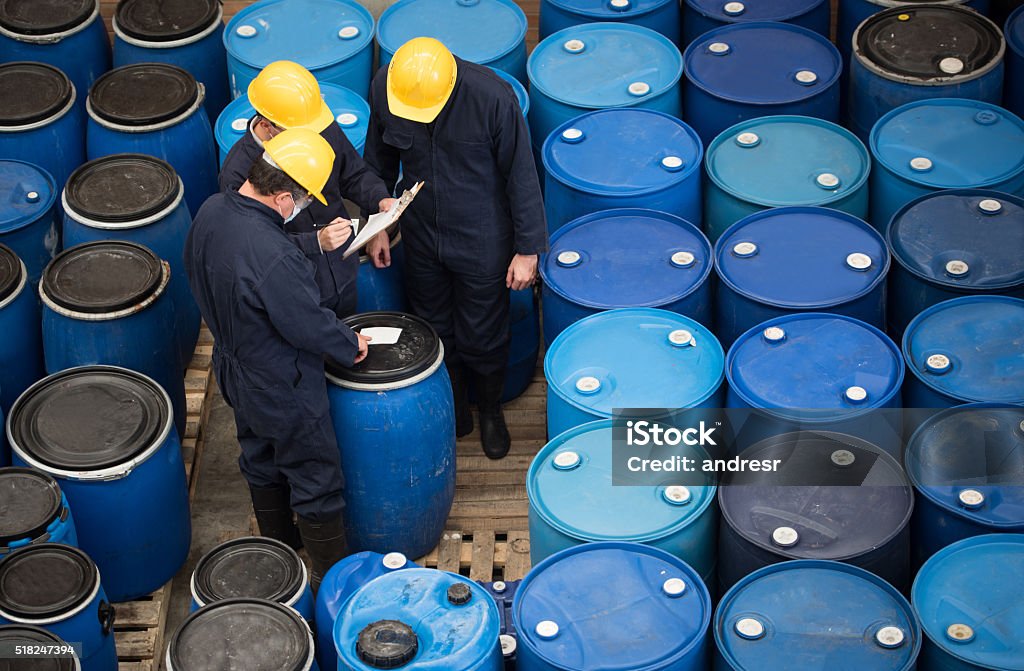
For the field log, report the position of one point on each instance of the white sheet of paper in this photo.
(382, 335)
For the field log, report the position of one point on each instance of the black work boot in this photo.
(493, 433)
(326, 545)
(273, 509)
(460, 391)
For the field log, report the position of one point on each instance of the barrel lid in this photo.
(612, 606)
(1014, 31)
(38, 582)
(265, 634)
(27, 192)
(517, 87)
(417, 349)
(724, 11)
(143, 94)
(634, 358)
(44, 17)
(30, 500)
(627, 258)
(788, 160)
(970, 348)
(811, 369)
(969, 605)
(479, 31)
(313, 33)
(122, 188)
(32, 92)
(796, 614)
(11, 272)
(929, 42)
(165, 20)
(968, 239)
(801, 257)
(102, 277)
(89, 418)
(750, 68)
(622, 152)
(20, 634)
(831, 509)
(257, 568)
(599, 65)
(949, 143)
(608, 11)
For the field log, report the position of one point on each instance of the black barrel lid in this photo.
(43, 581)
(143, 94)
(265, 635)
(387, 644)
(102, 277)
(257, 568)
(32, 92)
(89, 418)
(21, 634)
(122, 188)
(416, 350)
(44, 17)
(10, 272)
(929, 41)
(29, 502)
(165, 20)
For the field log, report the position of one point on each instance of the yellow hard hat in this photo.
(288, 95)
(421, 78)
(303, 155)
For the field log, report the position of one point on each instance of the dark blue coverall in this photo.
(481, 205)
(352, 179)
(256, 292)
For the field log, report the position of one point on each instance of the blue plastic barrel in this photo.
(35, 511)
(341, 582)
(69, 35)
(395, 420)
(798, 259)
(625, 258)
(137, 198)
(831, 496)
(37, 109)
(186, 33)
(945, 143)
(486, 32)
(1013, 89)
(971, 605)
(737, 72)
(333, 39)
(58, 588)
(382, 289)
(419, 619)
(28, 215)
(614, 606)
(809, 614)
(519, 88)
(659, 15)
(621, 158)
(524, 346)
(700, 16)
(106, 435)
(155, 109)
(915, 53)
(950, 244)
(783, 161)
(21, 356)
(23, 634)
(351, 112)
(964, 350)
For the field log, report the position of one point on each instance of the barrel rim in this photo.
(89, 595)
(1013, 38)
(344, 377)
(55, 34)
(49, 116)
(159, 121)
(568, 7)
(781, 18)
(152, 213)
(289, 595)
(214, 20)
(54, 639)
(508, 4)
(45, 206)
(6, 298)
(59, 503)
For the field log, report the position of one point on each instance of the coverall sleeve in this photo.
(515, 161)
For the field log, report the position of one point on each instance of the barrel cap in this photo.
(102, 277)
(12, 272)
(42, 581)
(254, 568)
(608, 10)
(44, 17)
(479, 31)
(22, 634)
(30, 501)
(143, 94)
(417, 349)
(387, 644)
(778, 10)
(122, 188)
(32, 92)
(165, 20)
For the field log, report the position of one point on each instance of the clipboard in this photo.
(382, 220)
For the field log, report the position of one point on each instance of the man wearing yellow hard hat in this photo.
(255, 290)
(476, 229)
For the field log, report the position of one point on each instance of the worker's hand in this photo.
(335, 234)
(379, 250)
(364, 347)
(521, 272)
(386, 204)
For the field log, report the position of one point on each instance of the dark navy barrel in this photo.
(1013, 89)
(811, 614)
(659, 15)
(29, 224)
(631, 358)
(140, 199)
(701, 16)
(914, 53)
(186, 33)
(625, 258)
(614, 606)
(782, 161)
(945, 143)
(798, 259)
(487, 32)
(737, 72)
(971, 605)
(395, 420)
(37, 109)
(831, 496)
(57, 587)
(622, 158)
(333, 39)
(106, 435)
(69, 35)
(35, 511)
(21, 355)
(524, 346)
(950, 244)
(64, 659)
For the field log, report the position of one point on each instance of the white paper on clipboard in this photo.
(382, 335)
(381, 221)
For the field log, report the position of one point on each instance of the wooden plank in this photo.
(135, 645)
(138, 614)
(449, 554)
(489, 523)
(517, 563)
(481, 563)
